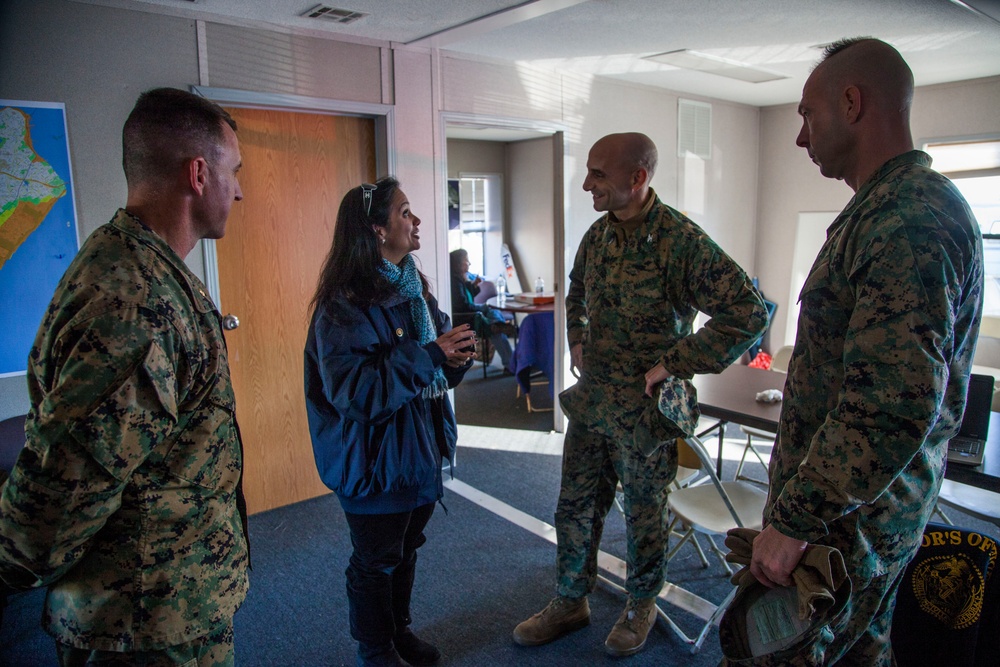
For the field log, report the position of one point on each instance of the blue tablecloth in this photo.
(535, 339)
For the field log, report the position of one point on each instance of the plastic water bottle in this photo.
(501, 290)
(539, 285)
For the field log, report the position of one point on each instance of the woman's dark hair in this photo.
(457, 257)
(351, 269)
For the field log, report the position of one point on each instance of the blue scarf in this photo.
(406, 280)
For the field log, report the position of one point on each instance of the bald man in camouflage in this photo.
(126, 500)
(887, 329)
(641, 274)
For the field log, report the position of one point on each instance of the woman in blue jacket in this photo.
(379, 360)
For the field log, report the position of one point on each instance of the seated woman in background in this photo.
(379, 360)
(463, 292)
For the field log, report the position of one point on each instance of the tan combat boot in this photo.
(560, 617)
(629, 634)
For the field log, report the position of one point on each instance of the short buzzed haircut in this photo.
(168, 126)
(833, 48)
(867, 60)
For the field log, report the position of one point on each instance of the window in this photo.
(479, 223)
(974, 167)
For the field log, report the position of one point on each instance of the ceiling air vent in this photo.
(694, 129)
(333, 14)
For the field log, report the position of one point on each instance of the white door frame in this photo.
(558, 132)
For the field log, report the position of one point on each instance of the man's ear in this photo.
(850, 101)
(639, 177)
(197, 174)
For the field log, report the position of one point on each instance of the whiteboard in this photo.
(809, 237)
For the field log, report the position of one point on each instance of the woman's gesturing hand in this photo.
(459, 345)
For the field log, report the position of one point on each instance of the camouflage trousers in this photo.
(212, 650)
(857, 637)
(593, 464)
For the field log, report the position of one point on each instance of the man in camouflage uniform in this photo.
(887, 329)
(641, 274)
(126, 501)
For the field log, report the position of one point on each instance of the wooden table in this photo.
(512, 306)
(730, 397)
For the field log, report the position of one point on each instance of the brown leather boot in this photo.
(560, 617)
(630, 632)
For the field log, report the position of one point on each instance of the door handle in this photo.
(230, 322)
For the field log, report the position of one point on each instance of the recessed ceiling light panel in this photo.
(704, 62)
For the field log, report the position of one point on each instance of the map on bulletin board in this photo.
(38, 224)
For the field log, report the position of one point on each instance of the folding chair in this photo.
(779, 362)
(713, 509)
(687, 473)
(752, 433)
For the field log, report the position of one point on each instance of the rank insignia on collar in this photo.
(649, 238)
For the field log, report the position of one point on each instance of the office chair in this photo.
(12, 441)
(948, 602)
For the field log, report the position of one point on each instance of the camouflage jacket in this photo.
(632, 302)
(877, 382)
(123, 501)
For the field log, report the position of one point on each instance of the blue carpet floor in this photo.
(478, 576)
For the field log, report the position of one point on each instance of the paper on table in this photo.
(769, 396)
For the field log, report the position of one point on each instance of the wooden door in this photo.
(296, 168)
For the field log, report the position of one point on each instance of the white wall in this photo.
(417, 158)
(124, 52)
(98, 59)
(530, 201)
(587, 108)
(527, 171)
(789, 183)
(476, 157)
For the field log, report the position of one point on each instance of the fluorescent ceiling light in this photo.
(989, 9)
(704, 62)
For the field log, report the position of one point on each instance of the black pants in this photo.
(381, 569)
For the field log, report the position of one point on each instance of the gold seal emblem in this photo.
(950, 588)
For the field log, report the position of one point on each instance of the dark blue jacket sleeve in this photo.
(368, 371)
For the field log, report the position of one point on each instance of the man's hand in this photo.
(775, 555)
(654, 376)
(576, 359)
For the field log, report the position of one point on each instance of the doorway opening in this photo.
(504, 180)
